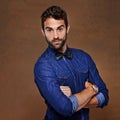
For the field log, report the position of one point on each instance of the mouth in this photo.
(56, 42)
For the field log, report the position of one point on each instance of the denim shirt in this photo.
(51, 73)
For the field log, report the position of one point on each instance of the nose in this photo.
(55, 34)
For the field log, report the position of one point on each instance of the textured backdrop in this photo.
(95, 28)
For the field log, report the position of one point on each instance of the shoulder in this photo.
(82, 55)
(43, 57)
(79, 52)
(43, 66)
(42, 60)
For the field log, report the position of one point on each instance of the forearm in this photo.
(84, 97)
(93, 103)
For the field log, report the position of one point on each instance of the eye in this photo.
(61, 28)
(49, 30)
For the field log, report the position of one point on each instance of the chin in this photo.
(57, 47)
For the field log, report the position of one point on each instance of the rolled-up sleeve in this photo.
(74, 101)
(48, 86)
(101, 99)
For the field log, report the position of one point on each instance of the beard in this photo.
(57, 43)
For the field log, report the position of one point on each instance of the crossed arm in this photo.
(86, 98)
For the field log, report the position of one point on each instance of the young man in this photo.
(67, 78)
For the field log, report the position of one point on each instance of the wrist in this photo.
(93, 88)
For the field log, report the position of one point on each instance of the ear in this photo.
(43, 32)
(68, 28)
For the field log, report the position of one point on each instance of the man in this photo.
(67, 78)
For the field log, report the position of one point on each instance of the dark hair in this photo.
(54, 12)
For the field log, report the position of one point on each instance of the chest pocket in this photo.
(63, 78)
(82, 74)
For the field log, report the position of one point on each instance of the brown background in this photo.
(95, 27)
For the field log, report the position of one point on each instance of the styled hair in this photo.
(54, 12)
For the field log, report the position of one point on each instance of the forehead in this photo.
(53, 23)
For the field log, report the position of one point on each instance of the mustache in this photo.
(56, 39)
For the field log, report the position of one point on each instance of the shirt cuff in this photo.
(101, 99)
(74, 101)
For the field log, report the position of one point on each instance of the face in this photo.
(55, 33)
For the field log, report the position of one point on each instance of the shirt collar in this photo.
(59, 55)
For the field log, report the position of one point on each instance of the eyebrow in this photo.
(57, 27)
(60, 26)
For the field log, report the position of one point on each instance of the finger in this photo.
(65, 87)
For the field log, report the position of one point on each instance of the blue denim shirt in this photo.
(51, 73)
